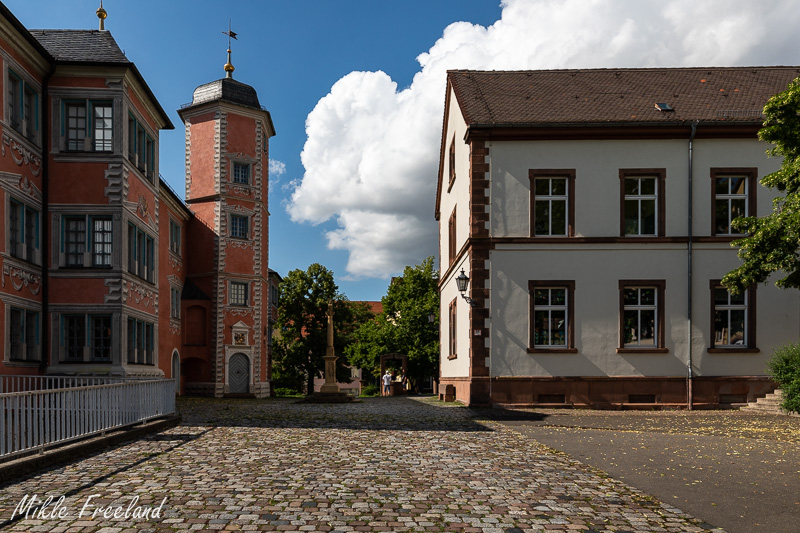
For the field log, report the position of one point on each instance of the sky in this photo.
(356, 92)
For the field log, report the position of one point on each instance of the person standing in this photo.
(387, 383)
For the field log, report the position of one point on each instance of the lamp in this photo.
(461, 282)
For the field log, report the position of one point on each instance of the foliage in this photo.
(281, 392)
(302, 326)
(403, 326)
(772, 241)
(784, 367)
(370, 390)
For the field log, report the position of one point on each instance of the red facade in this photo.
(105, 270)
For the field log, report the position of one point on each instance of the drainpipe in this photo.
(689, 362)
(44, 224)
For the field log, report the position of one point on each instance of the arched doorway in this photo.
(176, 371)
(239, 374)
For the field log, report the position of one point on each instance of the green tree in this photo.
(302, 326)
(772, 241)
(403, 326)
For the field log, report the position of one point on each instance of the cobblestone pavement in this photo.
(385, 464)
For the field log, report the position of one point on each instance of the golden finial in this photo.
(101, 14)
(229, 66)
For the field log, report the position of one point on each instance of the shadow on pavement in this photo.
(379, 414)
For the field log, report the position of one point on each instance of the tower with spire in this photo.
(227, 156)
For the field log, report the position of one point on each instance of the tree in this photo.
(403, 326)
(302, 325)
(772, 241)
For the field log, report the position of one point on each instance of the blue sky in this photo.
(357, 87)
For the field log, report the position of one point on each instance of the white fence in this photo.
(36, 419)
(10, 383)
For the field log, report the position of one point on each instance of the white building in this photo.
(590, 210)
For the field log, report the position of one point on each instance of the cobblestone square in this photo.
(384, 464)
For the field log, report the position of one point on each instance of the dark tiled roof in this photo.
(82, 46)
(228, 90)
(608, 96)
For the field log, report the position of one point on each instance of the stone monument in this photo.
(329, 392)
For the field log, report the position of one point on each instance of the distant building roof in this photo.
(228, 90)
(605, 96)
(82, 46)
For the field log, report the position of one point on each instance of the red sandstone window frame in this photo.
(660, 287)
(748, 173)
(660, 176)
(545, 173)
(569, 338)
(749, 342)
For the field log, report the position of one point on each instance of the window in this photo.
(238, 293)
(552, 203)
(239, 227)
(140, 342)
(175, 302)
(552, 314)
(642, 203)
(87, 241)
(141, 151)
(733, 196)
(642, 315)
(141, 253)
(452, 351)
(733, 319)
(76, 126)
(80, 345)
(23, 107)
(174, 237)
(23, 335)
(241, 173)
(452, 160)
(102, 128)
(23, 232)
(451, 237)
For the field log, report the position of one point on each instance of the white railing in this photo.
(38, 419)
(9, 383)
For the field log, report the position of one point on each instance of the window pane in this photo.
(541, 297)
(721, 214)
(631, 186)
(648, 186)
(558, 328)
(558, 296)
(721, 186)
(542, 218)
(559, 186)
(541, 328)
(721, 327)
(630, 320)
(630, 296)
(631, 217)
(738, 185)
(647, 327)
(542, 186)
(559, 222)
(738, 208)
(648, 217)
(737, 299)
(720, 296)
(647, 296)
(737, 326)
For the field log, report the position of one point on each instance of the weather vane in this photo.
(229, 66)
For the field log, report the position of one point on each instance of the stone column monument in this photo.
(330, 358)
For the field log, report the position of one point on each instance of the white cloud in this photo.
(371, 157)
(276, 168)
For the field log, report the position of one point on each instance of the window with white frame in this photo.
(550, 206)
(241, 173)
(140, 342)
(174, 237)
(87, 241)
(642, 316)
(239, 227)
(175, 302)
(550, 317)
(88, 126)
(23, 232)
(731, 201)
(23, 329)
(641, 202)
(141, 253)
(23, 106)
(733, 319)
(238, 293)
(86, 338)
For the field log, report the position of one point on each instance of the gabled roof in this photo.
(81, 46)
(602, 96)
(601, 103)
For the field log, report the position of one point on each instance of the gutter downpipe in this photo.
(690, 363)
(44, 225)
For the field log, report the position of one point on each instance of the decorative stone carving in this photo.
(20, 278)
(141, 294)
(21, 155)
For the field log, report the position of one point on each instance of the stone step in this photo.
(769, 404)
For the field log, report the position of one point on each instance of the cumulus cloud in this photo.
(371, 157)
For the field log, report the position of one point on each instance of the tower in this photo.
(227, 155)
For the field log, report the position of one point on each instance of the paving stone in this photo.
(385, 464)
